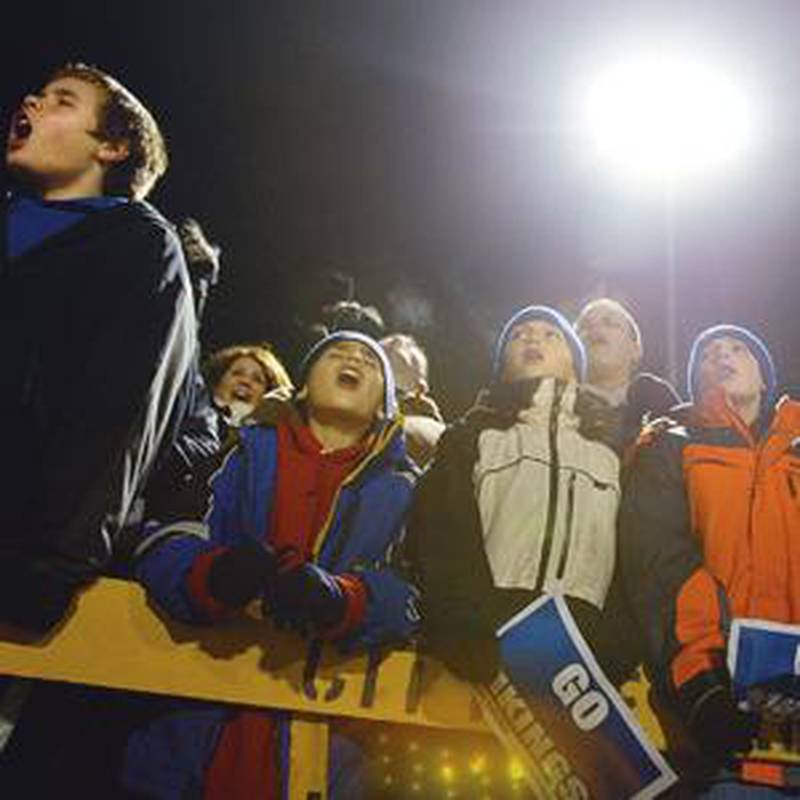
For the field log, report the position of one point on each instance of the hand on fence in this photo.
(777, 706)
(719, 726)
(306, 599)
(240, 574)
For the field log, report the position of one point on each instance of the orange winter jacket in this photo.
(710, 529)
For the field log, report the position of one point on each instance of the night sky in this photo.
(429, 148)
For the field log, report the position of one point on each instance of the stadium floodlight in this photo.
(666, 118)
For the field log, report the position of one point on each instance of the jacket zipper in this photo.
(348, 515)
(757, 451)
(568, 535)
(552, 497)
(380, 446)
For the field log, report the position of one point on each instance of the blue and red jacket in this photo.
(365, 524)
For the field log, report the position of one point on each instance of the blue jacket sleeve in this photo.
(166, 553)
(392, 615)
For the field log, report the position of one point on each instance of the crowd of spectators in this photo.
(341, 502)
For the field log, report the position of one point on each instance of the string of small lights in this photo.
(413, 762)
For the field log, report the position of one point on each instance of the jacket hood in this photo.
(502, 405)
(280, 406)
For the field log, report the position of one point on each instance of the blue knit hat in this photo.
(556, 319)
(753, 344)
(389, 398)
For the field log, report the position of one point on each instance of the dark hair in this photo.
(352, 316)
(123, 118)
(218, 364)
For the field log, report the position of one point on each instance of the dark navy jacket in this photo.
(98, 335)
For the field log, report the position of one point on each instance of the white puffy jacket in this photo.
(548, 500)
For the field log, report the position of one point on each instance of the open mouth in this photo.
(349, 378)
(21, 128)
(532, 356)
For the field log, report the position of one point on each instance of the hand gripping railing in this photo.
(116, 640)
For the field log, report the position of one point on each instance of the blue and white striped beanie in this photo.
(389, 398)
(557, 320)
(753, 344)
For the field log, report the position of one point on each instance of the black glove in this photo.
(461, 632)
(241, 573)
(777, 705)
(718, 725)
(306, 598)
(36, 594)
(476, 660)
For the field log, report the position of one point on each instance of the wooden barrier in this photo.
(115, 639)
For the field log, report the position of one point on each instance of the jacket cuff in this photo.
(196, 583)
(696, 691)
(355, 595)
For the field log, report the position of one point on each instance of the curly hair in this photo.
(218, 363)
(122, 117)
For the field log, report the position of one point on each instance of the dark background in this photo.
(429, 148)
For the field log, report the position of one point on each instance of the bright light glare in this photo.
(667, 118)
(515, 770)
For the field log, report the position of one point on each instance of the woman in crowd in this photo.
(240, 375)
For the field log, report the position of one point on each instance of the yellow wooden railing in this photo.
(116, 639)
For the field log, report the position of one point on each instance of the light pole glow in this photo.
(666, 118)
